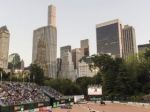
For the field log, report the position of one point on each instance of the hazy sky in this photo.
(76, 20)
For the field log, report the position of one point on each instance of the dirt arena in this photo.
(103, 108)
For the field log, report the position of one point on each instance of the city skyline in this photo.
(72, 25)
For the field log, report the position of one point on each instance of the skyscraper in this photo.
(77, 54)
(109, 38)
(85, 71)
(4, 47)
(52, 15)
(85, 46)
(129, 46)
(67, 67)
(64, 50)
(59, 63)
(45, 45)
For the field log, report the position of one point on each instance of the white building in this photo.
(84, 70)
(129, 42)
(67, 66)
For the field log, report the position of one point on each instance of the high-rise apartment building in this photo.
(45, 45)
(129, 46)
(77, 54)
(85, 46)
(67, 66)
(109, 38)
(59, 63)
(84, 70)
(64, 50)
(4, 47)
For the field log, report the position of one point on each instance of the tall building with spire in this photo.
(4, 47)
(52, 15)
(45, 45)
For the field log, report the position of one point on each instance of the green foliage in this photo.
(5, 76)
(15, 62)
(103, 62)
(121, 78)
(36, 74)
(97, 79)
(147, 53)
(146, 88)
(65, 86)
(83, 82)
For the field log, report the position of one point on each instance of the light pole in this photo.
(33, 78)
(149, 73)
(1, 76)
(29, 78)
(23, 76)
(10, 75)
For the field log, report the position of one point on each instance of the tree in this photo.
(147, 53)
(83, 82)
(103, 62)
(109, 67)
(36, 74)
(5, 76)
(14, 61)
(146, 88)
(97, 79)
(65, 86)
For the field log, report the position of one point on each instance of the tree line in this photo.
(121, 79)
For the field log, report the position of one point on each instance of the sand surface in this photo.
(103, 108)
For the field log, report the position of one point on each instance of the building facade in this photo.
(44, 51)
(84, 70)
(52, 15)
(85, 46)
(59, 63)
(77, 54)
(4, 47)
(108, 37)
(67, 66)
(129, 47)
(64, 50)
(143, 47)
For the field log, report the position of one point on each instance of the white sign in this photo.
(95, 90)
(78, 98)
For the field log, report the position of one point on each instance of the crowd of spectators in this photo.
(52, 92)
(14, 93)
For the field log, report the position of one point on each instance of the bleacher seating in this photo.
(14, 93)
